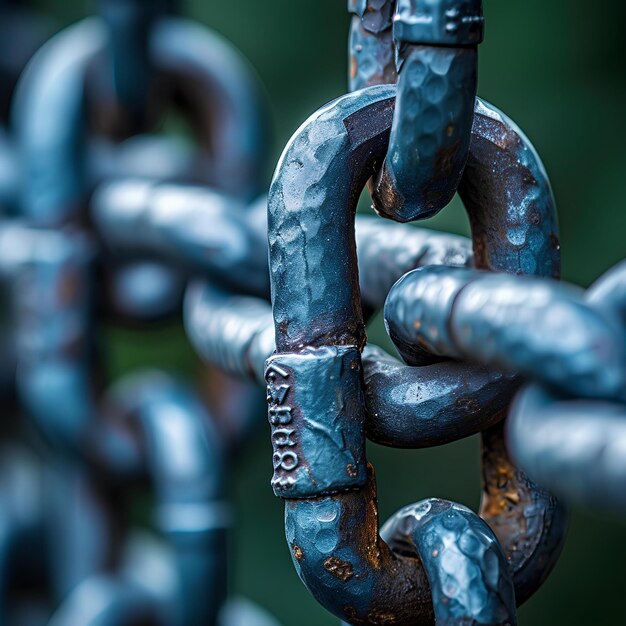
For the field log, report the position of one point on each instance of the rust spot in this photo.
(350, 612)
(450, 130)
(297, 553)
(353, 66)
(417, 324)
(481, 251)
(380, 617)
(385, 195)
(469, 405)
(340, 569)
(445, 158)
(535, 218)
(512, 496)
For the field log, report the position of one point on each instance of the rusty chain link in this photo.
(117, 223)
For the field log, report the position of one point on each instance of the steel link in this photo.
(94, 450)
(321, 328)
(116, 223)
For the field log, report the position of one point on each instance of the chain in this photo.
(117, 223)
(317, 332)
(101, 445)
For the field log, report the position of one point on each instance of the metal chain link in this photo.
(118, 224)
(101, 446)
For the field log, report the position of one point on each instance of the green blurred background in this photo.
(556, 68)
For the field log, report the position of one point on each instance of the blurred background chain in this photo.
(80, 115)
(109, 188)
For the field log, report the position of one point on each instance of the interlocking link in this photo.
(275, 290)
(100, 446)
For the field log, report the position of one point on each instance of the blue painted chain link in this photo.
(115, 223)
(80, 117)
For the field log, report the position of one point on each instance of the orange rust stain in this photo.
(343, 570)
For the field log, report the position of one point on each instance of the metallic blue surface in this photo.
(146, 290)
(52, 142)
(107, 600)
(312, 243)
(571, 445)
(507, 195)
(609, 291)
(312, 199)
(55, 386)
(405, 406)
(430, 135)
(139, 217)
(52, 273)
(512, 213)
(371, 48)
(538, 327)
(316, 414)
(434, 110)
(129, 24)
(232, 332)
(569, 434)
(311, 212)
(432, 405)
(168, 434)
(439, 22)
(386, 251)
(184, 459)
(508, 198)
(223, 100)
(466, 569)
(337, 552)
(215, 88)
(195, 228)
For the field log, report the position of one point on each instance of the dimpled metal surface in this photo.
(311, 209)
(405, 407)
(466, 570)
(340, 558)
(512, 214)
(434, 110)
(507, 195)
(535, 326)
(574, 442)
(419, 407)
(316, 303)
(371, 55)
(387, 251)
(439, 22)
